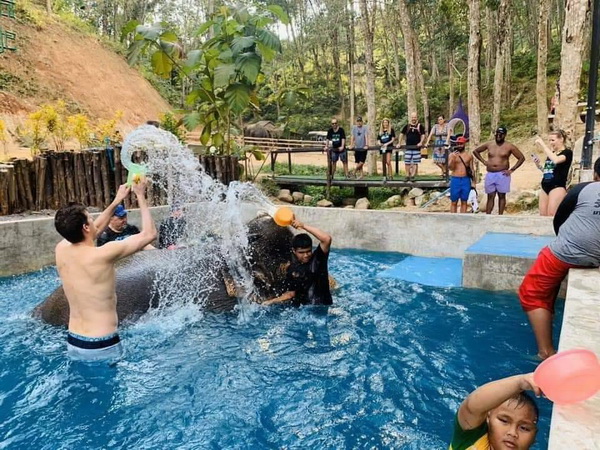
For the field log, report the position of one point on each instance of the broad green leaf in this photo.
(169, 36)
(279, 13)
(237, 96)
(262, 21)
(258, 155)
(192, 120)
(249, 65)
(204, 27)
(149, 32)
(206, 83)
(205, 135)
(217, 139)
(241, 14)
(269, 39)
(232, 26)
(226, 56)
(223, 73)
(193, 58)
(130, 27)
(241, 43)
(211, 54)
(192, 97)
(162, 64)
(135, 50)
(265, 51)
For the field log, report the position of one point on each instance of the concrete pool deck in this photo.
(27, 245)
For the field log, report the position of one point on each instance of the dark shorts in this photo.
(548, 185)
(540, 286)
(105, 348)
(360, 156)
(337, 155)
(460, 187)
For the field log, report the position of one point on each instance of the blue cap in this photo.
(120, 211)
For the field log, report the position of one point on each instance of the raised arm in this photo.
(120, 249)
(473, 411)
(478, 151)
(102, 220)
(549, 153)
(323, 237)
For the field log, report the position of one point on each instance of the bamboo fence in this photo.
(90, 177)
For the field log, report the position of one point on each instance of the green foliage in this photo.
(224, 69)
(170, 123)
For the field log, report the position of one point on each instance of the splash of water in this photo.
(213, 217)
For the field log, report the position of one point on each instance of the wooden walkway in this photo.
(399, 182)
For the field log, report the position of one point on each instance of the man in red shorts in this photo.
(577, 226)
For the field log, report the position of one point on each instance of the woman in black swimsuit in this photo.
(555, 171)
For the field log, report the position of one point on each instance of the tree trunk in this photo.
(473, 72)
(501, 52)
(411, 78)
(577, 15)
(368, 14)
(49, 6)
(350, 38)
(420, 79)
(337, 68)
(542, 59)
(451, 100)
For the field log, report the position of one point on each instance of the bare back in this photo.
(499, 155)
(88, 278)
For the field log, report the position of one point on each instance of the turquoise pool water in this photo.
(386, 368)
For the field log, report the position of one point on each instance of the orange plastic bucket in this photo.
(283, 216)
(568, 377)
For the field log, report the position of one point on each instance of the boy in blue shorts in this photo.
(498, 415)
(460, 163)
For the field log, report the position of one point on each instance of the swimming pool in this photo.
(386, 368)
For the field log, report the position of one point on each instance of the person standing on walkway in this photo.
(497, 179)
(385, 139)
(441, 130)
(414, 137)
(460, 163)
(360, 143)
(336, 146)
(577, 244)
(555, 171)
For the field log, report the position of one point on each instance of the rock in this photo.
(348, 207)
(285, 196)
(419, 200)
(363, 203)
(415, 192)
(308, 199)
(348, 201)
(324, 203)
(298, 197)
(393, 201)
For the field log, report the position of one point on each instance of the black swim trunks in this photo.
(360, 156)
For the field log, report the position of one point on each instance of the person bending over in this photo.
(88, 274)
(307, 277)
(577, 244)
(497, 179)
(498, 415)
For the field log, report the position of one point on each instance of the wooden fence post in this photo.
(68, 164)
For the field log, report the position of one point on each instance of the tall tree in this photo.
(577, 13)
(502, 51)
(368, 12)
(542, 59)
(411, 77)
(473, 77)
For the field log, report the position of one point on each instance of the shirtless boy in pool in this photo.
(88, 274)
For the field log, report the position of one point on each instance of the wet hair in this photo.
(524, 399)
(69, 222)
(597, 167)
(301, 240)
(560, 134)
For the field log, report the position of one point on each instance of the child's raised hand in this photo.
(527, 384)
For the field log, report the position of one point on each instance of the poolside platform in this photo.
(499, 261)
(437, 272)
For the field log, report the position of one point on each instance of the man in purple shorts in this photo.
(497, 179)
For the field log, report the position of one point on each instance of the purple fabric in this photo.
(497, 182)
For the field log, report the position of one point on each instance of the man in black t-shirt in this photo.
(414, 136)
(118, 229)
(307, 276)
(336, 146)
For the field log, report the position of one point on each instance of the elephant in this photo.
(263, 129)
(138, 276)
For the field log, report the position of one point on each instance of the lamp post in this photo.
(590, 116)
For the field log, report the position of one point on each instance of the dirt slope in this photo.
(56, 62)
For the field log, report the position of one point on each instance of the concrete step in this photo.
(499, 261)
(438, 272)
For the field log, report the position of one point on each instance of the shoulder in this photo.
(132, 229)
(405, 129)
